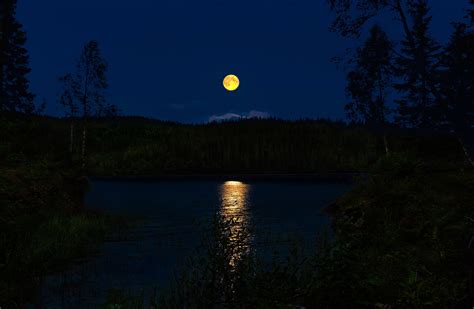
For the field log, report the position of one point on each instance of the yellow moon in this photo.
(231, 82)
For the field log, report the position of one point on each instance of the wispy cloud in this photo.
(234, 116)
(228, 116)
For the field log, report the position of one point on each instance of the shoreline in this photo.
(311, 177)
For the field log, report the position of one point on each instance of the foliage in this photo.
(416, 66)
(433, 83)
(457, 78)
(408, 231)
(214, 276)
(90, 81)
(402, 240)
(14, 63)
(43, 226)
(129, 146)
(370, 80)
(246, 146)
(136, 146)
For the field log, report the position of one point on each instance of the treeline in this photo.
(138, 146)
(415, 83)
(244, 146)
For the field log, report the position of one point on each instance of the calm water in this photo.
(176, 214)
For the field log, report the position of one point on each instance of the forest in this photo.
(403, 237)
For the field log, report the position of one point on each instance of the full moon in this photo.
(231, 82)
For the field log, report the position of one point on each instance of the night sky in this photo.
(168, 58)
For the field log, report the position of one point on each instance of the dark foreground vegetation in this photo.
(43, 226)
(43, 223)
(139, 146)
(402, 239)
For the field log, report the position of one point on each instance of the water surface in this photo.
(176, 214)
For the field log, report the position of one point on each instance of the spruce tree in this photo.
(15, 95)
(416, 66)
(457, 86)
(458, 78)
(471, 12)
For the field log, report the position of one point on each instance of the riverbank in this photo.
(403, 238)
(44, 227)
(310, 177)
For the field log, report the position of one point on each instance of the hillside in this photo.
(140, 146)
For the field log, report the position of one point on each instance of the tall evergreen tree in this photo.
(458, 78)
(471, 12)
(457, 85)
(14, 63)
(417, 67)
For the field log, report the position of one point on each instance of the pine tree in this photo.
(458, 78)
(471, 12)
(417, 67)
(15, 95)
(457, 85)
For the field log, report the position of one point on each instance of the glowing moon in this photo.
(231, 82)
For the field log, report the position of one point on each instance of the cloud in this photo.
(228, 116)
(233, 116)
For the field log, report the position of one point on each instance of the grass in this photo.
(401, 240)
(44, 227)
(41, 246)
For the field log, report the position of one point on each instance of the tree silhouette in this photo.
(90, 83)
(67, 100)
(107, 110)
(458, 77)
(15, 95)
(352, 16)
(417, 66)
(471, 12)
(370, 80)
(457, 83)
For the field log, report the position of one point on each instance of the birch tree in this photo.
(90, 85)
(68, 101)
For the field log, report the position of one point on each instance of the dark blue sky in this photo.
(168, 57)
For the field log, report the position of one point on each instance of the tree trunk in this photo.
(464, 149)
(4, 9)
(71, 145)
(385, 143)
